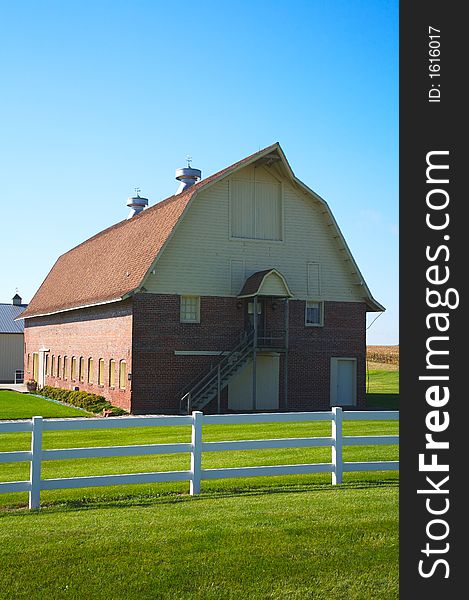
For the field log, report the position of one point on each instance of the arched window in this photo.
(122, 374)
(90, 370)
(35, 365)
(59, 366)
(52, 366)
(47, 364)
(101, 371)
(81, 369)
(112, 373)
(73, 368)
(65, 367)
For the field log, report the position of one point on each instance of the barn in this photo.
(237, 293)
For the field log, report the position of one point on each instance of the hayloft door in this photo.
(343, 381)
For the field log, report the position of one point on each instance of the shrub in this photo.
(31, 385)
(90, 402)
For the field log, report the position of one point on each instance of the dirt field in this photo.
(382, 357)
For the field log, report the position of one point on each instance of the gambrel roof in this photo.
(253, 286)
(113, 264)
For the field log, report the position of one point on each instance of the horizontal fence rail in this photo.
(36, 455)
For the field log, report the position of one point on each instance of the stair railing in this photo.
(214, 376)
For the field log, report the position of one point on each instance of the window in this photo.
(256, 210)
(90, 370)
(112, 373)
(35, 365)
(27, 363)
(65, 367)
(190, 309)
(59, 366)
(52, 366)
(101, 371)
(122, 374)
(81, 369)
(47, 364)
(73, 368)
(314, 313)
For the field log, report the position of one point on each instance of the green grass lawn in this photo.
(14, 405)
(319, 543)
(383, 389)
(284, 537)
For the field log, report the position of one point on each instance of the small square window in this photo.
(314, 313)
(190, 309)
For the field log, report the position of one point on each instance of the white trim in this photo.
(255, 240)
(55, 312)
(201, 352)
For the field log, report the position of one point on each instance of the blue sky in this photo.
(100, 97)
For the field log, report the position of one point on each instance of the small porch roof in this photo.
(266, 283)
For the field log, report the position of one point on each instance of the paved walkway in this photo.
(17, 387)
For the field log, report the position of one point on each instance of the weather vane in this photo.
(137, 190)
(189, 160)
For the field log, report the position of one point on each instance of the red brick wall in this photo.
(100, 332)
(311, 350)
(161, 376)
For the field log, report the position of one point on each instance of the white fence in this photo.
(196, 474)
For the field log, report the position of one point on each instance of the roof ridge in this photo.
(195, 187)
(105, 264)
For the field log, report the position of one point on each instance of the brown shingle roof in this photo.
(114, 262)
(253, 283)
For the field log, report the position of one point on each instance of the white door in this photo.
(343, 381)
(267, 385)
(41, 367)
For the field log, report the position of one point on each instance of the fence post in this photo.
(219, 389)
(337, 447)
(196, 452)
(35, 468)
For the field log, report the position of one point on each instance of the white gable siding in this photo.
(272, 286)
(203, 258)
(314, 279)
(238, 277)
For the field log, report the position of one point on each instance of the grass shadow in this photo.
(167, 498)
